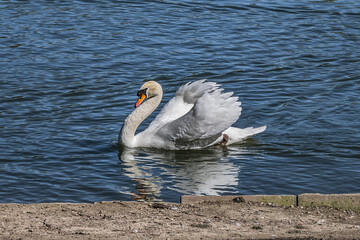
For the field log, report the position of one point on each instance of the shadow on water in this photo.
(202, 172)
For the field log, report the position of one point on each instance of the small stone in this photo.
(257, 227)
(321, 221)
(238, 199)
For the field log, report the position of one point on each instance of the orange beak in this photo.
(140, 99)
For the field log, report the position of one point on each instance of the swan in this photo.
(198, 116)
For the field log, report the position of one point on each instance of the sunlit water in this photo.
(70, 71)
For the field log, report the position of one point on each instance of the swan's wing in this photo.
(182, 102)
(213, 113)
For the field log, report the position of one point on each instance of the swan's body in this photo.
(197, 117)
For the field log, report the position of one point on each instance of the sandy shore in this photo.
(134, 220)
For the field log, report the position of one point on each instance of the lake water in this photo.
(70, 71)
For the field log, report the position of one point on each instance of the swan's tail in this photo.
(238, 134)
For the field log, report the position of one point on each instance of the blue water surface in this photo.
(70, 71)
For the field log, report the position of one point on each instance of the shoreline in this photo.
(210, 217)
(347, 201)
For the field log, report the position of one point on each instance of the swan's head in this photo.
(148, 90)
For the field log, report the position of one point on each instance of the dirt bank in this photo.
(134, 220)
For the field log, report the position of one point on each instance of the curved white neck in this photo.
(132, 122)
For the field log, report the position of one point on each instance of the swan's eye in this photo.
(142, 91)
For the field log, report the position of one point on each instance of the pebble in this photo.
(321, 221)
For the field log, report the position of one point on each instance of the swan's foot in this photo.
(224, 141)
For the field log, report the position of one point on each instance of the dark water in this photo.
(70, 70)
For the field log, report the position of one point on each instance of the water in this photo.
(70, 71)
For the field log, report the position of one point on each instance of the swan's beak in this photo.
(140, 100)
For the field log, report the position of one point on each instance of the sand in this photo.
(211, 220)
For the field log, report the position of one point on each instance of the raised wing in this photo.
(182, 102)
(212, 113)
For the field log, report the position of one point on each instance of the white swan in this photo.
(198, 116)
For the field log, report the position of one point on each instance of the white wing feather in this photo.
(213, 113)
(183, 101)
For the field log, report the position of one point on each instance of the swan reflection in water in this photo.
(198, 172)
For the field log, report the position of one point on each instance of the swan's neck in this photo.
(132, 122)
